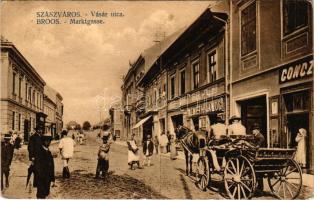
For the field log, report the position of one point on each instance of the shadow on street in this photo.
(83, 185)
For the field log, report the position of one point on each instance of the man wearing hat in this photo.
(44, 168)
(235, 127)
(259, 140)
(33, 147)
(7, 150)
(258, 136)
(218, 129)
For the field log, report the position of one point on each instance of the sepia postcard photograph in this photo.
(157, 99)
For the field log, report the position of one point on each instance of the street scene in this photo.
(157, 100)
(164, 179)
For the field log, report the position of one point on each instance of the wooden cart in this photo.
(242, 164)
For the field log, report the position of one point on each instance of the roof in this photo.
(5, 44)
(50, 93)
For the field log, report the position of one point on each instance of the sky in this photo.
(85, 64)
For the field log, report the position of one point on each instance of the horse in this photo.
(191, 142)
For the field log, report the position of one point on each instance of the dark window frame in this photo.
(249, 29)
(196, 74)
(182, 81)
(212, 66)
(293, 15)
(172, 86)
(13, 83)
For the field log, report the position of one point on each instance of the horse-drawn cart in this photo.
(242, 164)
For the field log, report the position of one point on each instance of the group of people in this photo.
(166, 143)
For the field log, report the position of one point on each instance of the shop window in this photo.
(182, 82)
(248, 29)
(196, 74)
(295, 102)
(172, 87)
(295, 15)
(212, 70)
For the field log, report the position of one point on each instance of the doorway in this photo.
(254, 110)
(26, 129)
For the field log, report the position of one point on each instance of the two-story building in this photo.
(22, 92)
(272, 69)
(187, 83)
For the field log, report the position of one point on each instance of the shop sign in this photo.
(296, 70)
(216, 105)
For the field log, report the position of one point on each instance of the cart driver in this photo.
(235, 127)
(217, 130)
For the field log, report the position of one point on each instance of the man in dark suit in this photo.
(34, 146)
(148, 148)
(44, 168)
(7, 150)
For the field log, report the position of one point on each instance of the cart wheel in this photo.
(239, 178)
(202, 173)
(287, 182)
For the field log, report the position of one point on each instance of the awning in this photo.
(141, 122)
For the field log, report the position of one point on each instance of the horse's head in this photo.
(181, 131)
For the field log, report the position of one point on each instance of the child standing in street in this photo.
(103, 158)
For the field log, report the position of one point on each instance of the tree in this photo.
(78, 127)
(86, 126)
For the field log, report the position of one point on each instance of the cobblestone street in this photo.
(165, 179)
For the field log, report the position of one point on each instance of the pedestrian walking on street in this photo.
(7, 150)
(133, 153)
(44, 168)
(300, 156)
(103, 158)
(156, 143)
(66, 147)
(173, 148)
(34, 145)
(163, 143)
(148, 149)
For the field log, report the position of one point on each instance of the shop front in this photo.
(203, 114)
(292, 109)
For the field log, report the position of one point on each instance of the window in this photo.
(33, 97)
(19, 122)
(13, 83)
(196, 74)
(13, 121)
(26, 91)
(248, 29)
(29, 94)
(172, 87)
(212, 67)
(182, 82)
(295, 15)
(20, 87)
(37, 100)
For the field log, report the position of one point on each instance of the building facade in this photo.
(272, 70)
(132, 97)
(59, 113)
(22, 92)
